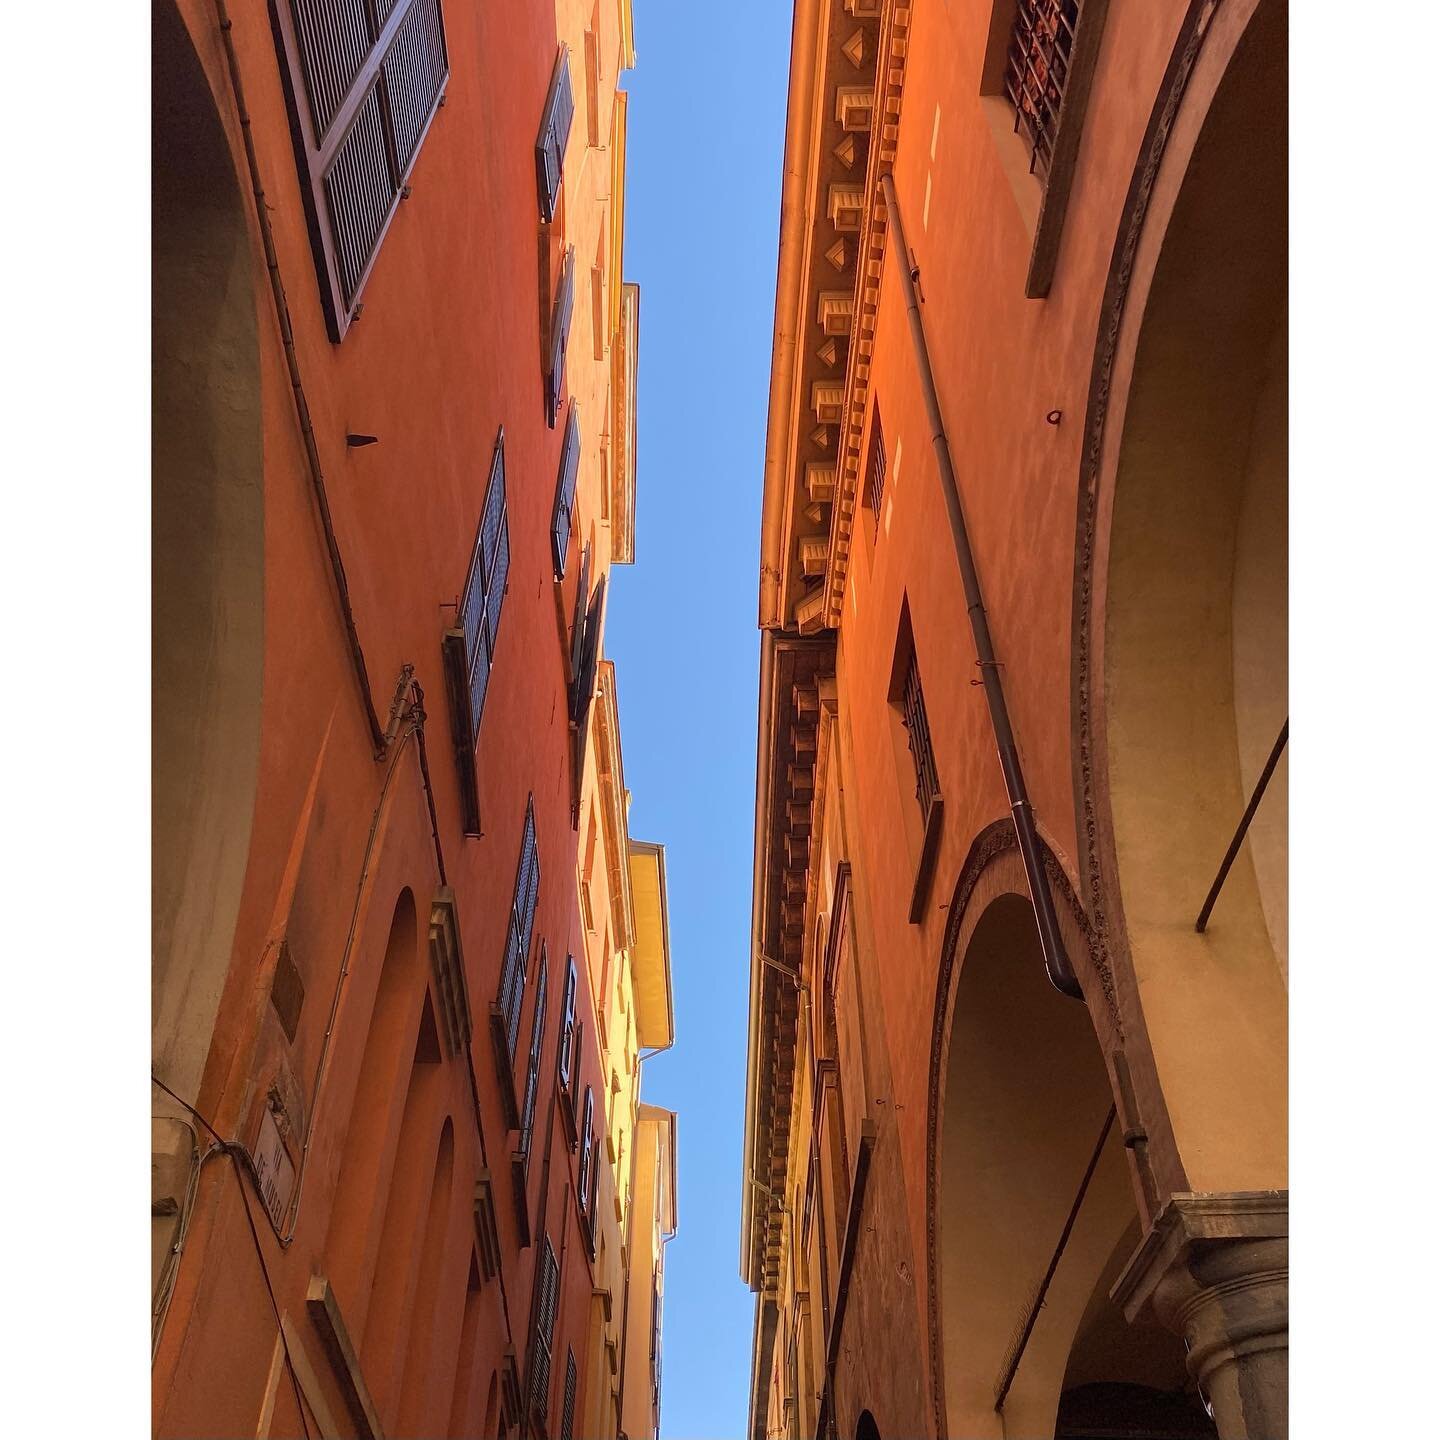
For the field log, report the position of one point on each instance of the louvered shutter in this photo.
(559, 338)
(577, 624)
(532, 1073)
(587, 1150)
(517, 937)
(554, 133)
(485, 590)
(547, 1283)
(364, 82)
(567, 1026)
(584, 689)
(565, 490)
(567, 1415)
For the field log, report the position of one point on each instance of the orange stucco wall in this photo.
(446, 352)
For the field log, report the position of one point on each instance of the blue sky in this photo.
(702, 225)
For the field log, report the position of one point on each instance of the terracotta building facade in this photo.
(394, 463)
(1016, 1136)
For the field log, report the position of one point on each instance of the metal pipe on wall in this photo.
(1052, 944)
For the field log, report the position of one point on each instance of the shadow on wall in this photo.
(208, 556)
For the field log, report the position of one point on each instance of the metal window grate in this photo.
(1037, 65)
(917, 730)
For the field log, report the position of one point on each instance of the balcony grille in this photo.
(1037, 65)
(917, 731)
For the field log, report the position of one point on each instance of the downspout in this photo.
(297, 388)
(1052, 944)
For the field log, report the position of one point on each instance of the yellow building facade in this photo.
(627, 957)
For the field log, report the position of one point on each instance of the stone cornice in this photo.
(874, 232)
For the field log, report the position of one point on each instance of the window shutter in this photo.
(567, 1415)
(559, 337)
(485, 590)
(565, 490)
(567, 1027)
(532, 1073)
(554, 133)
(547, 1285)
(577, 626)
(587, 1151)
(469, 647)
(517, 938)
(364, 83)
(875, 478)
(584, 690)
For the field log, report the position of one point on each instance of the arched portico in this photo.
(208, 555)
(1180, 686)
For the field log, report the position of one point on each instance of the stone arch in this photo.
(993, 870)
(207, 534)
(1180, 645)
(1023, 1121)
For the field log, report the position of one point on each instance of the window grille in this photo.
(554, 134)
(364, 82)
(875, 473)
(917, 730)
(469, 648)
(565, 491)
(1037, 66)
(547, 1287)
(520, 930)
(532, 1069)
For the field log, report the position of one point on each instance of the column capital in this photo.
(1215, 1269)
(1192, 1225)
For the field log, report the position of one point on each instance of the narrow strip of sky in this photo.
(706, 139)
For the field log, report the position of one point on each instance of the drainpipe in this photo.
(1057, 962)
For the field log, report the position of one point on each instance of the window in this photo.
(546, 1293)
(559, 338)
(583, 687)
(469, 647)
(567, 1413)
(592, 79)
(569, 1033)
(1034, 91)
(583, 1185)
(565, 491)
(532, 1069)
(909, 701)
(554, 134)
(518, 934)
(1037, 65)
(875, 470)
(917, 731)
(363, 82)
